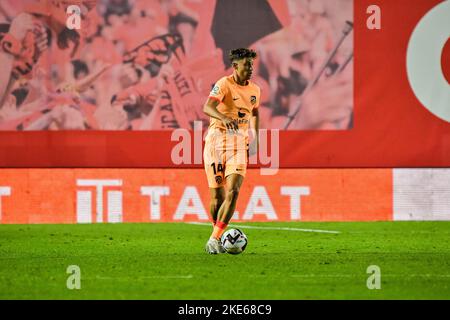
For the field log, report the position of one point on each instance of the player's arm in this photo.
(210, 109)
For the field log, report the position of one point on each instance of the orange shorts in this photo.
(219, 164)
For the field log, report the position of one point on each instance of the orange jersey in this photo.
(236, 102)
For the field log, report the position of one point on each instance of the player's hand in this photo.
(230, 124)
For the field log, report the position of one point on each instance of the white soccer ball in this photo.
(234, 241)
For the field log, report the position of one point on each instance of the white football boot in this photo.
(214, 246)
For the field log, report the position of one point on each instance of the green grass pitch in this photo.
(167, 261)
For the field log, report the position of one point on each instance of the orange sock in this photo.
(219, 229)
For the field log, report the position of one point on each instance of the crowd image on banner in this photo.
(150, 64)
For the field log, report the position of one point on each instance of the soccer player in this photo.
(232, 105)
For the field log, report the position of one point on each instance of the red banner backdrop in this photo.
(390, 126)
(167, 195)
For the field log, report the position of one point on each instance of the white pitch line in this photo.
(269, 228)
(169, 277)
(359, 275)
(148, 277)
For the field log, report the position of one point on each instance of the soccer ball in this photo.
(234, 241)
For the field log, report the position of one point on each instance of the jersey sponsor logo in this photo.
(253, 99)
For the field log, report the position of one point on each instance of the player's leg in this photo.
(226, 211)
(217, 196)
(235, 171)
(215, 176)
(216, 179)
(213, 245)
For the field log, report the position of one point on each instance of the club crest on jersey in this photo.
(253, 99)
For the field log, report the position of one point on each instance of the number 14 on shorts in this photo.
(217, 169)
